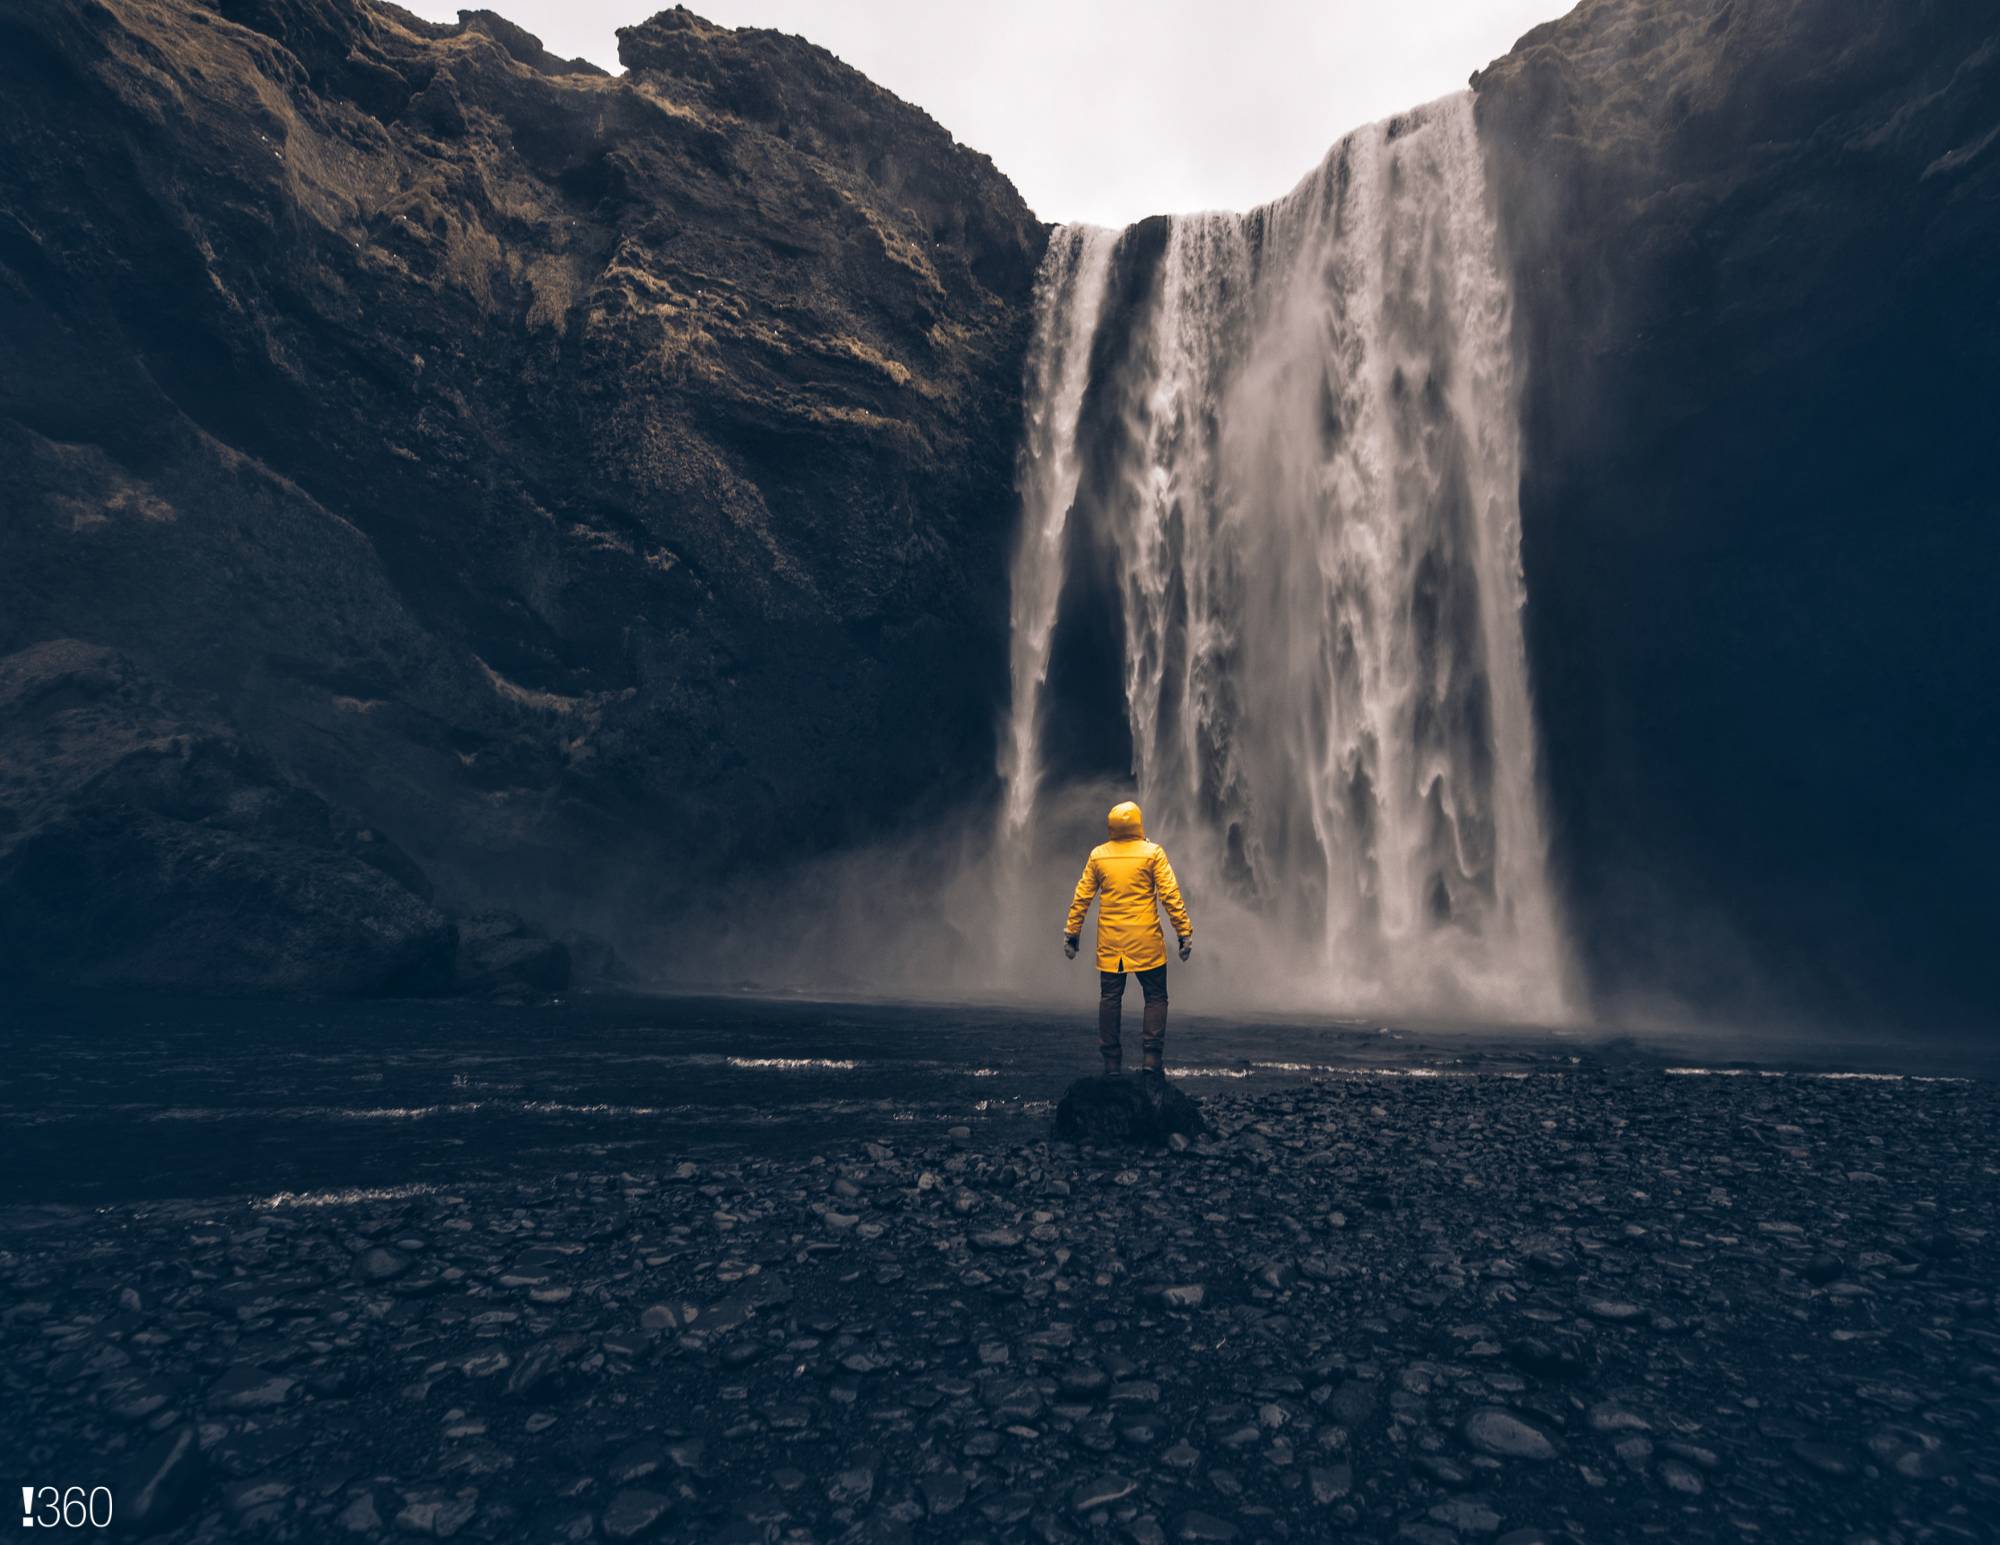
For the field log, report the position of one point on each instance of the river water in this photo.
(107, 1099)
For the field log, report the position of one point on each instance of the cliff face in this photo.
(572, 485)
(1753, 249)
(437, 477)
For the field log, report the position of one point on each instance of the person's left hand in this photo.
(1187, 946)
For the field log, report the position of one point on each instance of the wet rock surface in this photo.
(144, 843)
(1114, 1108)
(1593, 1305)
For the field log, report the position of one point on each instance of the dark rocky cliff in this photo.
(435, 476)
(1754, 255)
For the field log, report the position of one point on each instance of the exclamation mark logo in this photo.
(27, 1507)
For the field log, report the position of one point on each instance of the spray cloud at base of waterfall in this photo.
(956, 911)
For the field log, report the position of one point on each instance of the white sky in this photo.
(1110, 110)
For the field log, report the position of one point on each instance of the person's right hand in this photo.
(1070, 942)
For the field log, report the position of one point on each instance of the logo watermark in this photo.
(65, 1507)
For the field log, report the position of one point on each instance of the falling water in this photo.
(1070, 291)
(1301, 448)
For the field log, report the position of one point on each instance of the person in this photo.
(1131, 880)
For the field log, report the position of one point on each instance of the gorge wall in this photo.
(1753, 264)
(437, 477)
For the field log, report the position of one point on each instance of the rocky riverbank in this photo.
(1585, 1305)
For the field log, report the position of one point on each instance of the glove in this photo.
(1070, 942)
(1187, 946)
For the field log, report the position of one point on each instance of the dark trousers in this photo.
(1110, 997)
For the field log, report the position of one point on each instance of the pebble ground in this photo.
(1566, 1306)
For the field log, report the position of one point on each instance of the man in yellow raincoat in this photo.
(1132, 880)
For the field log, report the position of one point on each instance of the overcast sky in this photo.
(1108, 110)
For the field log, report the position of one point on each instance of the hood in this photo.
(1125, 821)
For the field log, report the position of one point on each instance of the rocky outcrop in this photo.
(1752, 247)
(580, 483)
(1114, 1108)
(147, 846)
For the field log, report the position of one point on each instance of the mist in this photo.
(962, 910)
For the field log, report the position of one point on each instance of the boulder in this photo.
(144, 844)
(595, 962)
(1119, 1108)
(501, 956)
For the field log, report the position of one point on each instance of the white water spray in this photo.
(1312, 431)
(1070, 293)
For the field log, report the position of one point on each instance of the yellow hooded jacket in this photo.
(1132, 880)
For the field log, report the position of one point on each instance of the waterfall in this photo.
(1297, 438)
(1069, 293)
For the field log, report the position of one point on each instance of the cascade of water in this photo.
(1315, 518)
(1070, 296)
